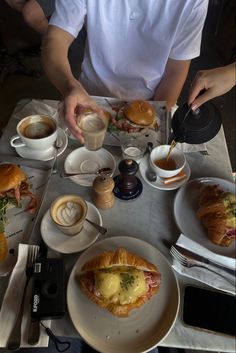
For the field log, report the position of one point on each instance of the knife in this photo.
(203, 259)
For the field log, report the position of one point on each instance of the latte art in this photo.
(69, 213)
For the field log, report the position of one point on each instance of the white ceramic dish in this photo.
(44, 155)
(144, 164)
(185, 208)
(65, 244)
(83, 160)
(146, 327)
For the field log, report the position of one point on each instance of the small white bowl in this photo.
(161, 152)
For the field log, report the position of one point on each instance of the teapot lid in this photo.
(196, 126)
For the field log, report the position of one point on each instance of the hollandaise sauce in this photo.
(121, 284)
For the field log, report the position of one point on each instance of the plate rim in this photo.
(166, 262)
(76, 250)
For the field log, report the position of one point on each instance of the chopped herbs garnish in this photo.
(127, 280)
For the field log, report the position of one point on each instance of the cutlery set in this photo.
(15, 336)
(189, 259)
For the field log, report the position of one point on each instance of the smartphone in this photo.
(210, 310)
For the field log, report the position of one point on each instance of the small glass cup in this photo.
(133, 149)
(94, 129)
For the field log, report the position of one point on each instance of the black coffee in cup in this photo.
(37, 128)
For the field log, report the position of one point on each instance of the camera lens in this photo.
(49, 289)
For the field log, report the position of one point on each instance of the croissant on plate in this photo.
(119, 281)
(217, 211)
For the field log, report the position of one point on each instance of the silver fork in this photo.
(15, 336)
(186, 262)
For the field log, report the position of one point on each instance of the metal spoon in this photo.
(150, 174)
(101, 229)
(102, 171)
(57, 145)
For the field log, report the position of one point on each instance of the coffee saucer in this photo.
(158, 184)
(85, 161)
(44, 155)
(66, 244)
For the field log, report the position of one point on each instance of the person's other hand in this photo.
(74, 104)
(215, 82)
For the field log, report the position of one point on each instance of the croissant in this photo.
(217, 211)
(119, 281)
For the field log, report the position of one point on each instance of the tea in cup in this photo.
(37, 132)
(68, 213)
(93, 128)
(167, 165)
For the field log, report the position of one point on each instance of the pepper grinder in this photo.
(127, 184)
(103, 196)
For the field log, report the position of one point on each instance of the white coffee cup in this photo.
(160, 153)
(37, 132)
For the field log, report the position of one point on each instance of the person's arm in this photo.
(57, 67)
(172, 81)
(216, 82)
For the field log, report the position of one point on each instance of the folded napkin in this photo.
(12, 300)
(202, 274)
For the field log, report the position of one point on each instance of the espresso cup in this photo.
(93, 128)
(37, 132)
(68, 213)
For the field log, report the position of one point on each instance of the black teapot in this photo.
(195, 127)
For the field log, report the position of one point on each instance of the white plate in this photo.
(146, 327)
(65, 244)
(83, 160)
(185, 208)
(144, 164)
(45, 155)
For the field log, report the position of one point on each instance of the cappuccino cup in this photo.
(37, 132)
(68, 212)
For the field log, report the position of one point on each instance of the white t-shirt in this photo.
(130, 41)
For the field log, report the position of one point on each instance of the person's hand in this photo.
(215, 82)
(75, 103)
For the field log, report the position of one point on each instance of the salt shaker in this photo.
(103, 196)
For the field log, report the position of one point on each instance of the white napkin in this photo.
(37, 106)
(11, 302)
(201, 274)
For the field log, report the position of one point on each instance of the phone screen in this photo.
(210, 310)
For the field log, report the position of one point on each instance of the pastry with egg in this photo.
(217, 211)
(119, 281)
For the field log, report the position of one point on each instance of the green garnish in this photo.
(127, 280)
(4, 203)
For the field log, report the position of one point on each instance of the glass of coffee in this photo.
(93, 128)
(37, 132)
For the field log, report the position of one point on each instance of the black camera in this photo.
(48, 299)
